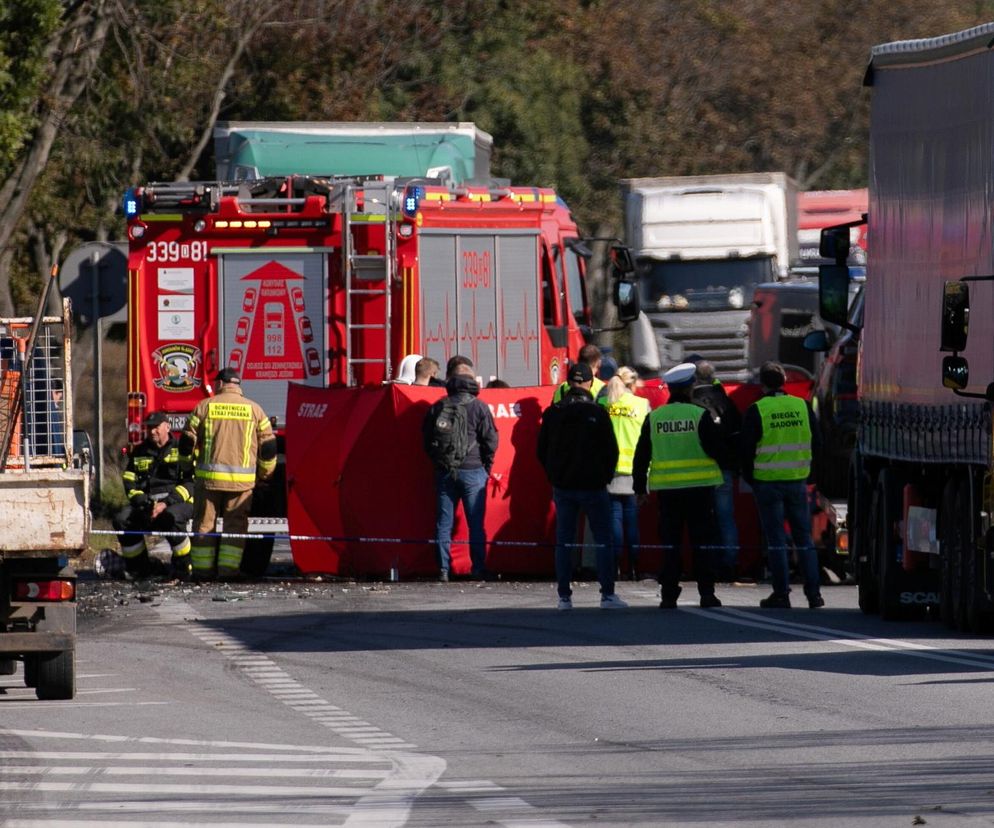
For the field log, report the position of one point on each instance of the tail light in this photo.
(45, 590)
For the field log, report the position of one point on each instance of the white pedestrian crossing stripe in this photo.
(238, 783)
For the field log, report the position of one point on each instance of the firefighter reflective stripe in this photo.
(231, 474)
(180, 547)
(202, 555)
(133, 550)
(229, 558)
(627, 414)
(184, 493)
(678, 460)
(784, 450)
(267, 467)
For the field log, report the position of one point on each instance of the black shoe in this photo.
(775, 601)
(669, 599)
(815, 602)
(443, 576)
(709, 601)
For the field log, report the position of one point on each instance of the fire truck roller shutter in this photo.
(479, 297)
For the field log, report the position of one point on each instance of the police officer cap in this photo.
(678, 375)
(581, 372)
(228, 375)
(156, 418)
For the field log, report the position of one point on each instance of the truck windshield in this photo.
(687, 277)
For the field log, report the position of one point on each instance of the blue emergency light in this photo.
(412, 198)
(131, 202)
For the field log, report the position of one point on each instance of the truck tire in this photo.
(887, 498)
(256, 557)
(861, 544)
(30, 671)
(975, 608)
(56, 675)
(949, 529)
(7, 666)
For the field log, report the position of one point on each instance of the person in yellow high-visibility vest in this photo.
(235, 446)
(591, 355)
(778, 441)
(628, 414)
(675, 458)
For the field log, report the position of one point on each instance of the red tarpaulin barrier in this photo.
(357, 473)
(356, 468)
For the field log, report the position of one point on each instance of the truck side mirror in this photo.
(621, 261)
(955, 317)
(834, 244)
(816, 341)
(956, 373)
(626, 299)
(833, 294)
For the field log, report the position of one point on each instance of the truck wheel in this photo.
(862, 545)
(976, 614)
(255, 559)
(30, 671)
(950, 542)
(7, 666)
(56, 675)
(886, 547)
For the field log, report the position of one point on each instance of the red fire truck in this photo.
(332, 281)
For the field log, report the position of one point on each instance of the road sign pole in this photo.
(98, 371)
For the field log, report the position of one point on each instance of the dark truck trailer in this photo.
(920, 489)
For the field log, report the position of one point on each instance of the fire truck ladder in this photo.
(368, 275)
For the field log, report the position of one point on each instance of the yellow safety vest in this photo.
(784, 450)
(595, 389)
(678, 459)
(627, 415)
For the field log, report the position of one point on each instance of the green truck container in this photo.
(459, 152)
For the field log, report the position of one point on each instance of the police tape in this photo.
(277, 536)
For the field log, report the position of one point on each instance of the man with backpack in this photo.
(461, 439)
(578, 450)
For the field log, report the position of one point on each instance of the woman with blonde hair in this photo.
(627, 413)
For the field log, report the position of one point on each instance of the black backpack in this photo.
(448, 442)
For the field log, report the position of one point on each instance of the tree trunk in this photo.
(73, 57)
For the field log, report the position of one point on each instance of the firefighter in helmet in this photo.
(159, 486)
(235, 446)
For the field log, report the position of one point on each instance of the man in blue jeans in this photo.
(578, 450)
(778, 433)
(468, 482)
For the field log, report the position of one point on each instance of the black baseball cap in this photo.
(156, 418)
(228, 375)
(581, 372)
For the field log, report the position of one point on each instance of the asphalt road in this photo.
(480, 705)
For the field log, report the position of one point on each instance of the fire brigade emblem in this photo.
(554, 371)
(177, 364)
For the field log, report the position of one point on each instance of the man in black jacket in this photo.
(468, 482)
(710, 393)
(159, 486)
(579, 452)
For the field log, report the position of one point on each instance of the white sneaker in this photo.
(565, 604)
(612, 602)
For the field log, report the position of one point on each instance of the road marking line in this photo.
(389, 803)
(731, 615)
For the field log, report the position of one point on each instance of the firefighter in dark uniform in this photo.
(675, 458)
(159, 487)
